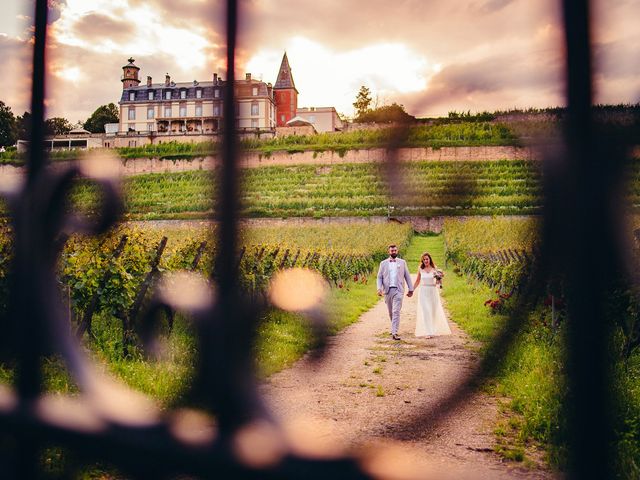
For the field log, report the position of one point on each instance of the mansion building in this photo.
(192, 112)
(196, 107)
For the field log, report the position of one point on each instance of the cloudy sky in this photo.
(430, 55)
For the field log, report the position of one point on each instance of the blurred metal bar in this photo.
(36, 157)
(585, 206)
(227, 201)
(27, 273)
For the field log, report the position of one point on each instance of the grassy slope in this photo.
(469, 133)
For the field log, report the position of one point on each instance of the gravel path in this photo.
(369, 385)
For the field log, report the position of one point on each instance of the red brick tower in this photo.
(285, 93)
(130, 75)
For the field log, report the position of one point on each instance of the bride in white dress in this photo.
(431, 319)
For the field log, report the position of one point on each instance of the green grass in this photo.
(284, 337)
(437, 135)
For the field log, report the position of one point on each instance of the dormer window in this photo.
(255, 91)
(151, 95)
(216, 93)
(199, 93)
(132, 96)
(167, 94)
(183, 94)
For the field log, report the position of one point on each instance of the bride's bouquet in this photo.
(438, 275)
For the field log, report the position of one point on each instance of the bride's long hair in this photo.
(422, 264)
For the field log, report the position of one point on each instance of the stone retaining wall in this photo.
(254, 159)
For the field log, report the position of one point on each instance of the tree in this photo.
(23, 125)
(393, 113)
(363, 101)
(8, 128)
(103, 114)
(57, 126)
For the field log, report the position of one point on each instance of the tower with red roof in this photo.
(285, 94)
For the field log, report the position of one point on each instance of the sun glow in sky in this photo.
(428, 55)
(386, 68)
(72, 74)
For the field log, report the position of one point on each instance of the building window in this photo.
(254, 123)
(183, 109)
(216, 93)
(132, 113)
(133, 143)
(255, 91)
(151, 95)
(198, 109)
(255, 108)
(282, 118)
(150, 127)
(199, 93)
(183, 94)
(216, 111)
(167, 94)
(167, 111)
(150, 112)
(132, 96)
(131, 127)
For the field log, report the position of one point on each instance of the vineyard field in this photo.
(495, 257)
(344, 255)
(429, 188)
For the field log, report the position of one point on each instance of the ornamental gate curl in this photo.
(108, 423)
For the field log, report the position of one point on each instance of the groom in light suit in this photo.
(392, 274)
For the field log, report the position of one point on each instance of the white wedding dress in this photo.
(431, 319)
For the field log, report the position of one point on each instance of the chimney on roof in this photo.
(215, 79)
(247, 76)
(167, 80)
(149, 81)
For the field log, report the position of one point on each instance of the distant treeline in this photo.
(623, 111)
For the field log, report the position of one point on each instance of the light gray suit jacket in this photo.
(384, 276)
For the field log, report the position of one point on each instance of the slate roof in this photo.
(285, 78)
(159, 89)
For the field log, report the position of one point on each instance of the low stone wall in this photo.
(419, 224)
(375, 155)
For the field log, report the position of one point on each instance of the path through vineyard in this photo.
(369, 386)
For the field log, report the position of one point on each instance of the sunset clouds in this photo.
(432, 56)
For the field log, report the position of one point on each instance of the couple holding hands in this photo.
(392, 275)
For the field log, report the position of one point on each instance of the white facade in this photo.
(324, 119)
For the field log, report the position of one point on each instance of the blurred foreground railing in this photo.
(227, 431)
